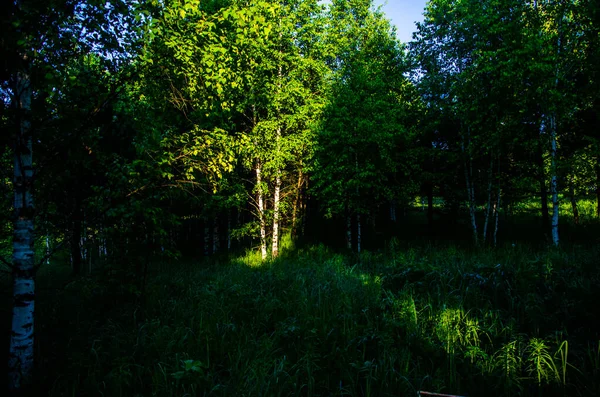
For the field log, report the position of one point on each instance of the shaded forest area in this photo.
(279, 198)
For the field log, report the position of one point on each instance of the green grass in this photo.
(506, 322)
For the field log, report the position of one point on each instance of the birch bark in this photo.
(20, 362)
(275, 242)
(554, 180)
(261, 212)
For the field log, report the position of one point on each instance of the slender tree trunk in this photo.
(358, 233)
(304, 207)
(216, 239)
(275, 242)
(76, 238)
(393, 210)
(553, 124)
(348, 230)
(275, 236)
(543, 192)
(544, 199)
(297, 203)
(20, 361)
(48, 248)
(261, 213)
(206, 238)
(470, 194)
(573, 201)
(228, 230)
(430, 206)
(554, 180)
(598, 187)
(489, 203)
(496, 210)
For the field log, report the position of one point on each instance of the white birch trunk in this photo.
(489, 203)
(553, 165)
(470, 194)
(261, 213)
(47, 249)
(20, 363)
(554, 180)
(275, 242)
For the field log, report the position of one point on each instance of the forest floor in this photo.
(488, 322)
(412, 315)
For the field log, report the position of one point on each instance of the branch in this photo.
(426, 393)
(49, 254)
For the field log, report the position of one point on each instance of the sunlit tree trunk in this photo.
(20, 364)
(261, 212)
(277, 189)
(275, 242)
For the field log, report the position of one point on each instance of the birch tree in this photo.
(361, 130)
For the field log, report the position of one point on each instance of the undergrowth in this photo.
(506, 322)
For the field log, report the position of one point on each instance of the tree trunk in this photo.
(20, 362)
(206, 238)
(76, 238)
(470, 194)
(552, 122)
(348, 231)
(543, 193)
(573, 201)
(393, 210)
(430, 206)
(261, 213)
(554, 180)
(489, 203)
(358, 234)
(216, 239)
(297, 204)
(496, 210)
(228, 230)
(275, 242)
(598, 187)
(48, 248)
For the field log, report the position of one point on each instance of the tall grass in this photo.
(316, 323)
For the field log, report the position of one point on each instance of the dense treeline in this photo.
(151, 129)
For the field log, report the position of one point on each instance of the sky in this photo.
(403, 14)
